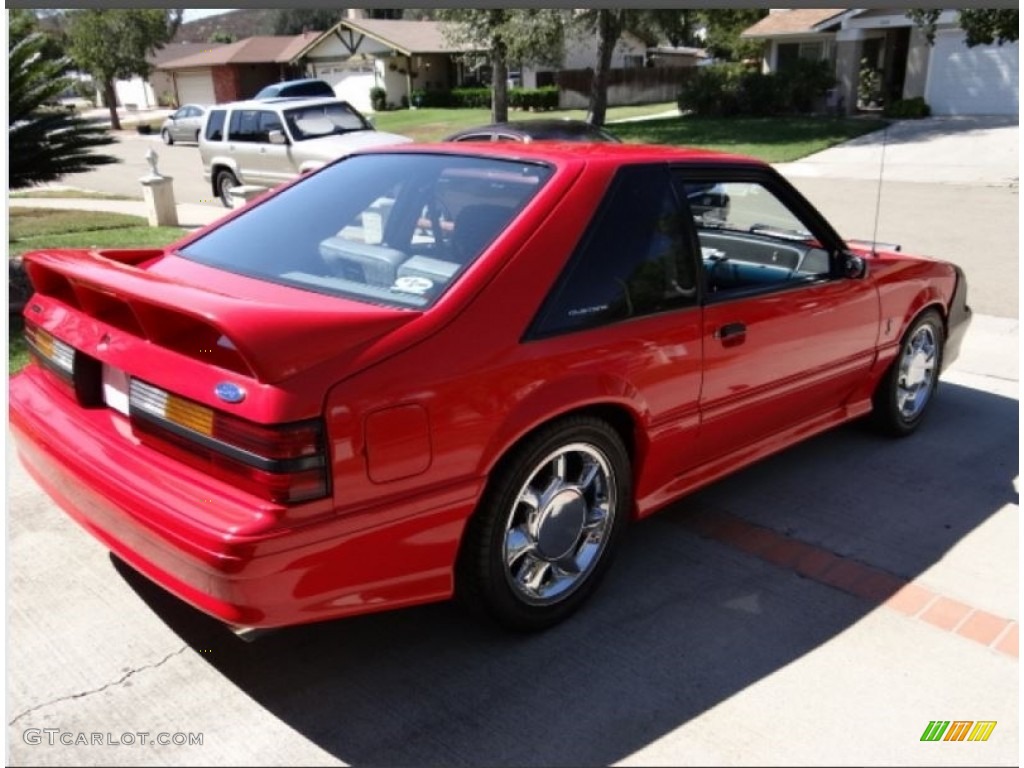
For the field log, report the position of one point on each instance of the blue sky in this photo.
(191, 14)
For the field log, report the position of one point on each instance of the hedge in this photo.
(723, 90)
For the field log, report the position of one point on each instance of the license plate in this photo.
(115, 389)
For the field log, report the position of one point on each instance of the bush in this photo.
(378, 99)
(536, 99)
(724, 90)
(469, 98)
(804, 85)
(908, 109)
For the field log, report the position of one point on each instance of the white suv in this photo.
(266, 143)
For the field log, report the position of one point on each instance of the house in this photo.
(952, 78)
(237, 70)
(581, 53)
(400, 56)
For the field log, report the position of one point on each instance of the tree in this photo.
(982, 26)
(608, 24)
(45, 142)
(221, 36)
(531, 35)
(295, 21)
(723, 28)
(112, 44)
(677, 26)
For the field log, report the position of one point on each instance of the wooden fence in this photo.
(638, 85)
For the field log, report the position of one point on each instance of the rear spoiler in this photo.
(265, 340)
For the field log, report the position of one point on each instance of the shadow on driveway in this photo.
(680, 625)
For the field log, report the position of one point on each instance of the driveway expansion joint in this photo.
(82, 694)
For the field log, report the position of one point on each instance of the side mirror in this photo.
(854, 266)
(277, 137)
(371, 121)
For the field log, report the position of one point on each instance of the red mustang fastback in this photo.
(457, 370)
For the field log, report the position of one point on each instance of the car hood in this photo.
(330, 147)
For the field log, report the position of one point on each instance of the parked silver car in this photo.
(266, 143)
(184, 124)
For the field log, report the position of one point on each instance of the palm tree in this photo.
(46, 142)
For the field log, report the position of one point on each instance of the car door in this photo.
(275, 160)
(625, 312)
(787, 335)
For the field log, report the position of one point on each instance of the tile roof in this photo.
(794, 21)
(253, 50)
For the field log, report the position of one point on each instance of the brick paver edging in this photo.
(859, 579)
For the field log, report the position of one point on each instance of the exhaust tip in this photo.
(249, 634)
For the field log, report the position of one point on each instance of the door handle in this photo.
(731, 330)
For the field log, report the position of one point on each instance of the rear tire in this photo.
(223, 181)
(547, 526)
(908, 387)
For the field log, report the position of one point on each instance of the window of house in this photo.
(789, 53)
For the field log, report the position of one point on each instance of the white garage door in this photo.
(983, 80)
(195, 87)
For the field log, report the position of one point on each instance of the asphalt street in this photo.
(821, 607)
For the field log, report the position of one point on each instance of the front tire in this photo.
(547, 526)
(166, 136)
(908, 387)
(223, 182)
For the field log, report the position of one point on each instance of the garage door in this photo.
(983, 80)
(195, 87)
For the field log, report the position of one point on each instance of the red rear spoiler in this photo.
(268, 341)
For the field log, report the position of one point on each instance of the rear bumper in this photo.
(221, 551)
(958, 318)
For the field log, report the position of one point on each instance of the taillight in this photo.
(285, 463)
(53, 354)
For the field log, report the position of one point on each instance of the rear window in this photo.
(395, 230)
(315, 121)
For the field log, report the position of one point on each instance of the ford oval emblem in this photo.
(229, 392)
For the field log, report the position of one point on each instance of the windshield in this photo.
(391, 229)
(312, 122)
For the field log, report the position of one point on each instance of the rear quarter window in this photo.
(215, 125)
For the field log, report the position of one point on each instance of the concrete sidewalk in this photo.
(190, 215)
(942, 150)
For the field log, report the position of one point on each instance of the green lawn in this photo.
(435, 124)
(31, 229)
(772, 139)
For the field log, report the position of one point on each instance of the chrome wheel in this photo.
(917, 371)
(559, 524)
(908, 386)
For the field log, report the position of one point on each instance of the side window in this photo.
(750, 241)
(215, 126)
(269, 121)
(244, 125)
(633, 259)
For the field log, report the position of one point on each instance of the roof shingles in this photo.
(795, 21)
